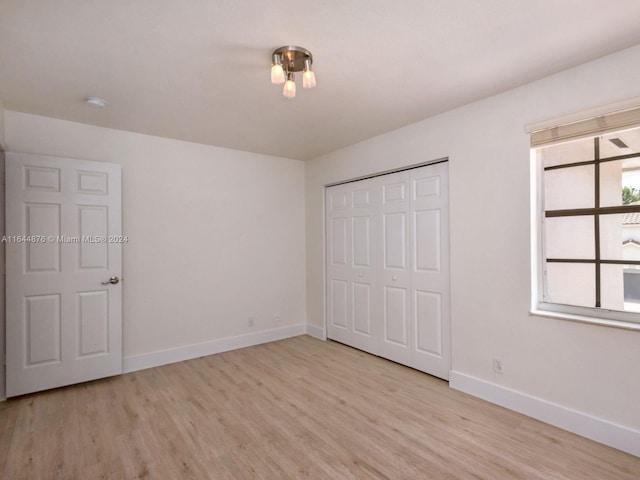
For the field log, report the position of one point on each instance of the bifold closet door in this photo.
(351, 266)
(430, 283)
(395, 272)
(387, 267)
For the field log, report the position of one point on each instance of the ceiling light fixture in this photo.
(95, 102)
(287, 60)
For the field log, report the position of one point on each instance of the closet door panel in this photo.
(338, 263)
(430, 270)
(351, 302)
(395, 259)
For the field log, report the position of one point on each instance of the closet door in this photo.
(430, 270)
(388, 267)
(351, 303)
(395, 272)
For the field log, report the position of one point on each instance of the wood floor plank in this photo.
(294, 409)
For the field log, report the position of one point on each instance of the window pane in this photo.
(613, 286)
(631, 276)
(631, 236)
(571, 187)
(570, 284)
(620, 183)
(612, 237)
(611, 184)
(570, 237)
(568, 152)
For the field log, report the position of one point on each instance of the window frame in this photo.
(540, 307)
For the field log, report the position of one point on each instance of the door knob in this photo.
(112, 281)
(395, 278)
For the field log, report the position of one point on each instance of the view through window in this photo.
(590, 252)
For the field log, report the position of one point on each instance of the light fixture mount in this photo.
(95, 102)
(293, 57)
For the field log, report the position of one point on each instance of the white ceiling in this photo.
(198, 70)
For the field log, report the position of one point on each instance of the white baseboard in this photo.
(597, 429)
(179, 354)
(315, 331)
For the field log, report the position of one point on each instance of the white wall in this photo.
(215, 235)
(586, 368)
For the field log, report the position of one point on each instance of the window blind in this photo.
(589, 127)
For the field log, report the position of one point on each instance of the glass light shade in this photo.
(308, 79)
(289, 89)
(277, 73)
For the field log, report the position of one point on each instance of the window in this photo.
(588, 218)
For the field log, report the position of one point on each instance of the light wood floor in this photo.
(298, 408)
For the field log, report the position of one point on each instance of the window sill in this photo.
(605, 322)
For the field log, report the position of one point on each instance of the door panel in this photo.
(430, 272)
(93, 183)
(395, 315)
(393, 191)
(361, 198)
(427, 242)
(395, 240)
(361, 241)
(41, 178)
(339, 241)
(338, 201)
(426, 186)
(93, 322)
(42, 329)
(42, 219)
(362, 308)
(93, 223)
(350, 225)
(339, 300)
(428, 322)
(365, 304)
(395, 275)
(63, 325)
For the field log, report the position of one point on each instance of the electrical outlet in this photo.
(251, 321)
(497, 365)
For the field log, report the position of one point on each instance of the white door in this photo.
(388, 267)
(64, 257)
(395, 271)
(351, 264)
(430, 299)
